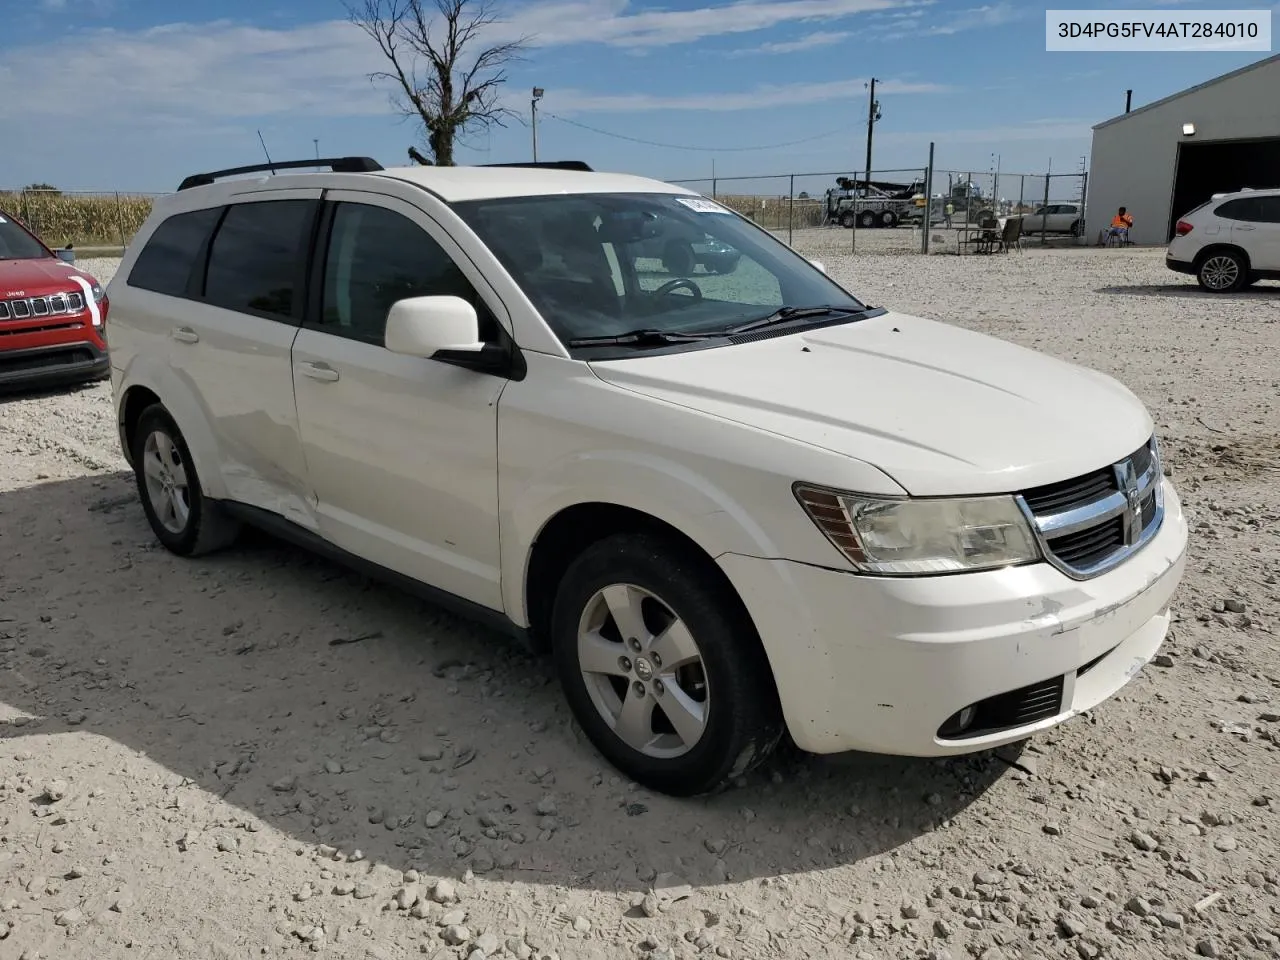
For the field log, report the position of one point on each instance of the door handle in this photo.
(184, 335)
(319, 371)
(1244, 226)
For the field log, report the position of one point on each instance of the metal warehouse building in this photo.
(1168, 157)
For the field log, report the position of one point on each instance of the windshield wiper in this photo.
(640, 338)
(787, 314)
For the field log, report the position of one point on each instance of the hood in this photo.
(36, 278)
(942, 410)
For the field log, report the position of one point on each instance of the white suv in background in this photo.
(731, 503)
(1230, 242)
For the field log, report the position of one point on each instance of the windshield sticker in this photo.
(702, 205)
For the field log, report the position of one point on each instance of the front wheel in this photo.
(662, 667)
(1223, 271)
(867, 219)
(183, 519)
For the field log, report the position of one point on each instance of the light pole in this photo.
(316, 142)
(533, 109)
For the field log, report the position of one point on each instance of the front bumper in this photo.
(882, 664)
(53, 364)
(1179, 266)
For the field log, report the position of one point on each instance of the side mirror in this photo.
(427, 326)
(818, 266)
(66, 255)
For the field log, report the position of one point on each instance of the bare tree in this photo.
(428, 44)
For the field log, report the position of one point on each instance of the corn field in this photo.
(775, 213)
(84, 220)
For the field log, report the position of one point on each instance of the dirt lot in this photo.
(261, 754)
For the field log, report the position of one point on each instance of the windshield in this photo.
(601, 265)
(17, 244)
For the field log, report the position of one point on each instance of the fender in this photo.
(154, 373)
(692, 503)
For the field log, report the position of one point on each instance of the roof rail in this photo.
(547, 165)
(336, 164)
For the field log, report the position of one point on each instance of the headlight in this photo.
(921, 537)
(97, 291)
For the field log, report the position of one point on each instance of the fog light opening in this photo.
(959, 722)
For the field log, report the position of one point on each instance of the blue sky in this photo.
(135, 94)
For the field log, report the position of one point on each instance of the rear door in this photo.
(1256, 228)
(233, 344)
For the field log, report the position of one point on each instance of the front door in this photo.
(400, 451)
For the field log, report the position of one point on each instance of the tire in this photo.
(1223, 271)
(888, 219)
(866, 219)
(722, 263)
(1075, 228)
(677, 258)
(847, 220)
(733, 720)
(167, 481)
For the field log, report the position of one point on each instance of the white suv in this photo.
(732, 503)
(1230, 242)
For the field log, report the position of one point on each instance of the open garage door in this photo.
(1220, 166)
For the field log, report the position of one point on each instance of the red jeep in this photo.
(53, 317)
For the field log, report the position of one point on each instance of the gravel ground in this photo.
(258, 753)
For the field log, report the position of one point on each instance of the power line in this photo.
(678, 146)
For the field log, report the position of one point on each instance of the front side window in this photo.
(165, 263)
(256, 256)
(601, 265)
(377, 257)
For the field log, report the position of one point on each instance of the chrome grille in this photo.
(1090, 524)
(50, 306)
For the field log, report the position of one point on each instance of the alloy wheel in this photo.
(166, 481)
(1220, 272)
(643, 671)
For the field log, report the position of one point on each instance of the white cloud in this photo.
(612, 22)
(807, 42)
(759, 98)
(224, 70)
(976, 18)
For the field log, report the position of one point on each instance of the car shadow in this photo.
(346, 713)
(16, 392)
(1192, 291)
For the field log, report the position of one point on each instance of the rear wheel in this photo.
(181, 516)
(1075, 228)
(867, 219)
(888, 219)
(662, 667)
(1223, 271)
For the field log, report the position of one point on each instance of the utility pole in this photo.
(533, 109)
(873, 114)
(316, 142)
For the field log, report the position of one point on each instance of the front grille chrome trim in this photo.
(1137, 500)
(26, 308)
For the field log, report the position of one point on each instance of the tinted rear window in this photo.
(165, 263)
(256, 256)
(1241, 208)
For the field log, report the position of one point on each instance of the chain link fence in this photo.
(87, 220)
(835, 213)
